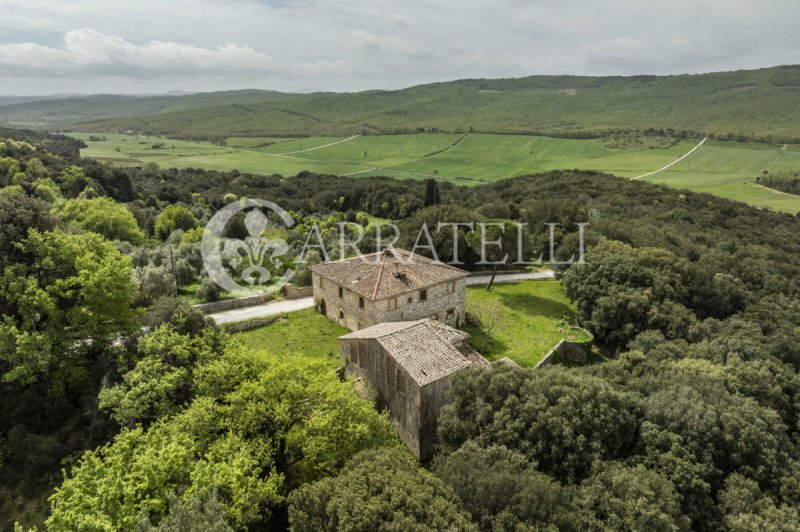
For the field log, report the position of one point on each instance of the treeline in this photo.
(788, 182)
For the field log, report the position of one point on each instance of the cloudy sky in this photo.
(146, 46)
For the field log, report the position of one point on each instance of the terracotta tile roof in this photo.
(387, 273)
(427, 349)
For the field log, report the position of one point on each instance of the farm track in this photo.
(673, 163)
(320, 147)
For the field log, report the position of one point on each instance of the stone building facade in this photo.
(392, 285)
(409, 365)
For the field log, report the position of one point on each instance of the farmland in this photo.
(724, 168)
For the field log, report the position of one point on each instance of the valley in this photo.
(724, 168)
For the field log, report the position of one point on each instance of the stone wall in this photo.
(577, 352)
(291, 291)
(403, 408)
(251, 324)
(229, 304)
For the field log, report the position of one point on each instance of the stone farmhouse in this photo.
(391, 285)
(409, 364)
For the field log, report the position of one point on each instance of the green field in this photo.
(527, 329)
(724, 168)
(306, 332)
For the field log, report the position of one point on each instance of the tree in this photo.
(195, 515)
(499, 243)
(628, 498)
(747, 508)
(19, 213)
(561, 420)
(377, 490)
(74, 181)
(489, 315)
(160, 381)
(255, 428)
(501, 489)
(71, 295)
(174, 217)
(102, 216)
(431, 193)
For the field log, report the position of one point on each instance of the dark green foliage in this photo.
(628, 499)
(18, 214)
(196, 515)
(377, 490)
(559, 420)
(501, 489)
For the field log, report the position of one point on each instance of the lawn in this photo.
(724, 168)
(527, 328)
(305, 331)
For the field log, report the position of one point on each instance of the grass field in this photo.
(305, 331)
(724, 168)
(528, 328)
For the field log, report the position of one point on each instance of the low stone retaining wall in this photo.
(573, 351)
(252, 324)
(229, 304)
(289, 292)
(500, 273)
(296, 292)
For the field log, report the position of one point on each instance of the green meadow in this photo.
(529, 319)
(724, 168)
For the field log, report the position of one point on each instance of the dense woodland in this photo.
(746, 104)
(691, 421)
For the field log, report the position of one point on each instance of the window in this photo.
(391, 373)
(451, 287)
(423, 295)
(435, 316)
(401, 382)
(354, 358)
(360, 326)
(410, 300)
(395, 377)
(341, 292)
(393, 303)
(362, 354)
(341, 314)
(451, 313)
(360, 302)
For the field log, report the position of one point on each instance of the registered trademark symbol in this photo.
(594, 214)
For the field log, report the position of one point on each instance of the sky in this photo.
(153, 46)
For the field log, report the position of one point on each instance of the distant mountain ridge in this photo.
(759, 104)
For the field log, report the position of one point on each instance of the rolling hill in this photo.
(754, 104)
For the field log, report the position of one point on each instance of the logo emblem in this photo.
(255, 260)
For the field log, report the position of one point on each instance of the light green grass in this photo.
(305, 331)
(727, 169)
(528, 329)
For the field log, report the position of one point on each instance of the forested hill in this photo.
(759, 104)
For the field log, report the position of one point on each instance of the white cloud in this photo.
(150, 45)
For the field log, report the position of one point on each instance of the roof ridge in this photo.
(378, 280)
